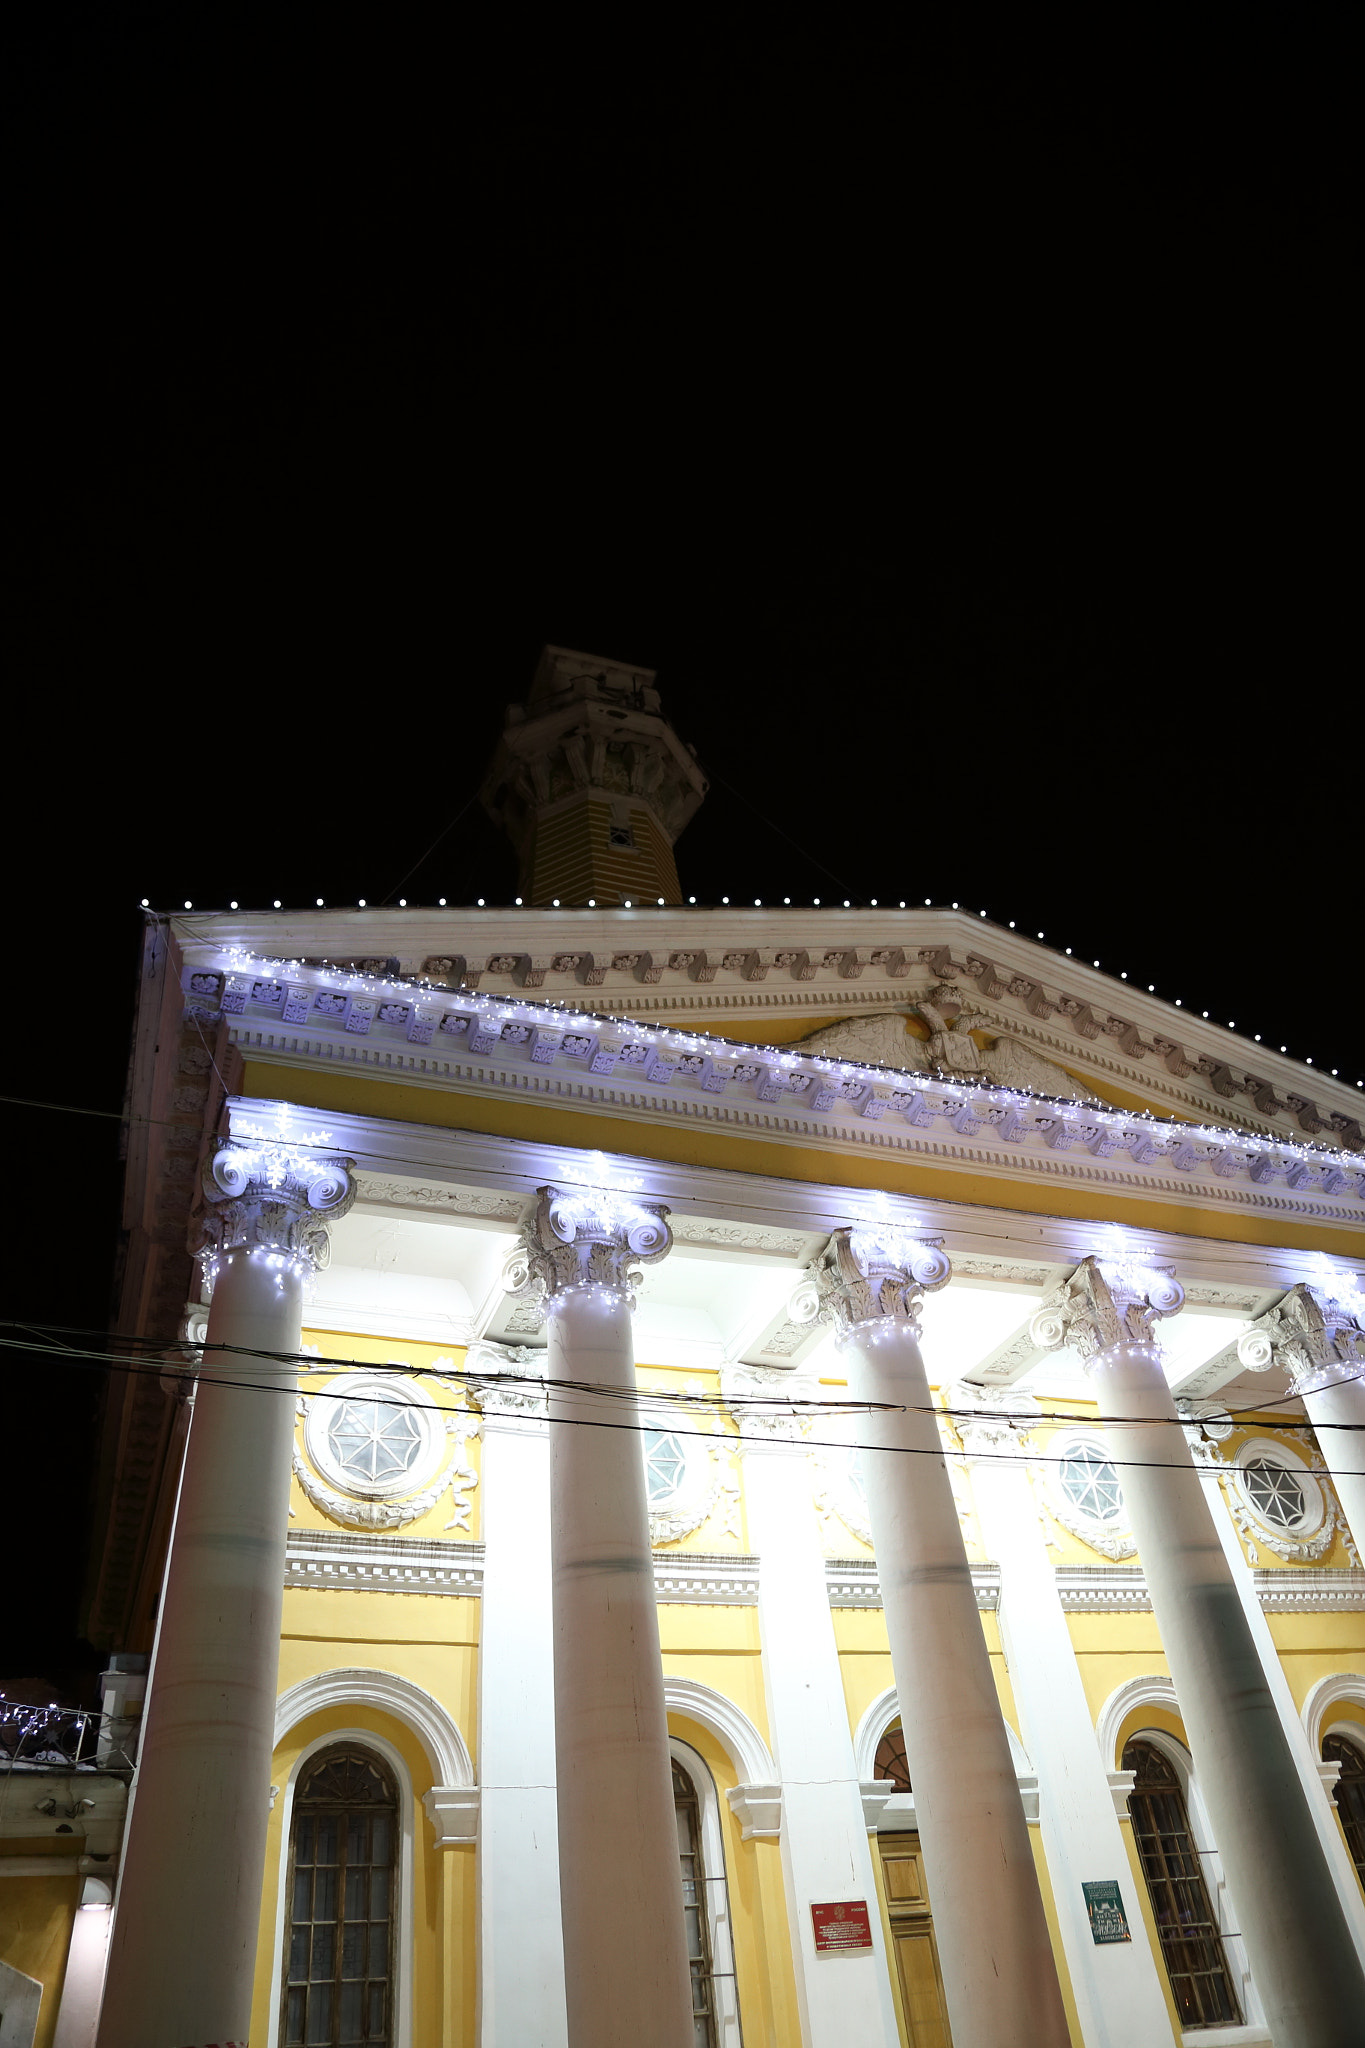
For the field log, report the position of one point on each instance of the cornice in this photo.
(1116, 1589)
(703, 965)
(320, 1561)
(491, 1046)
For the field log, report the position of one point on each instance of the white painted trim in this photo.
(1327, 1693)
(724, 1982)
(730, 1725)
(884, 1710)
(404, 1945)
(1151, 1690)
(364, 1686)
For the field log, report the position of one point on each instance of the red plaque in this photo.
(841, 1927)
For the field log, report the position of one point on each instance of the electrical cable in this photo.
(638, 1428)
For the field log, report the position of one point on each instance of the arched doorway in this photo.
(339, 1938)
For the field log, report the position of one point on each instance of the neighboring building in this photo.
(1045, 1719)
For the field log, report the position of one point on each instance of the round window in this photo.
(1090, 1483)
(665, 1465)
(372, 1435)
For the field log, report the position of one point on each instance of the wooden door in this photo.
(912, 1942)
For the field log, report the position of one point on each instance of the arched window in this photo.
(1191, 1944)
(338, 1977)
(1349, 1793)
(890, 1761)
(695, 1909)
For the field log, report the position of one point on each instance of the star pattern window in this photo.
(1275, 1494)
(373, 1441)
(665, 1465)
(1090, 1483)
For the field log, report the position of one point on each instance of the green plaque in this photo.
(1108, 1921)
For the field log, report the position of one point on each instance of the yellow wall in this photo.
(36, 1918)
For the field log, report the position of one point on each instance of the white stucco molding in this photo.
(1338, 1688)
(885, 1709)
(730, 1725)
(445, 1747)
(1153, 1689)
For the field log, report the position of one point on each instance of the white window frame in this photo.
(1215, 1880)
(1267, 1450)
(360, 1386)
(403, 1934)
(718, 1917)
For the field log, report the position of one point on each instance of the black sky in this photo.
(961, 418)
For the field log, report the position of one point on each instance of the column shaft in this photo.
(994, 1947)
(182, 1956)
(1302, 1955)
(825, 1853)
(1337, 1413)
(521, 1947)
(625, 1957)
(1118, 1994)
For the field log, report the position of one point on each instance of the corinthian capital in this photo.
(875, 1274)
(588, 1239)
(1107, 1305)
(274, 1194)
(1316, 1334)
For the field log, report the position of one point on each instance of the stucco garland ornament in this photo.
(458, 1478)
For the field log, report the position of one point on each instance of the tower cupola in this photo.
(592, 785)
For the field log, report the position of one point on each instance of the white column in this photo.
(1302, 1956)
(521, 1946)
(1117, 1988)
(995, 1952)
(626, 1975)
(825, 1853)
(78, 2014)
(183, 1951)
(1321, 1804)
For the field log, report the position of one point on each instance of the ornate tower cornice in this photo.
(587, 1239)
(875, 1275)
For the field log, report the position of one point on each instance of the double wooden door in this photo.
(914, 1952)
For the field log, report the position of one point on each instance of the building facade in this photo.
(725, 1477)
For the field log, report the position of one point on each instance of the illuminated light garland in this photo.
(1267, 1153)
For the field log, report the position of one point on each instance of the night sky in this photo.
(961, 419)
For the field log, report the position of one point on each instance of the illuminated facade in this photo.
(819, 1509)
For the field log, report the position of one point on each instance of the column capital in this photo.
(588, 1240)
(511, 1363)
(874, 1276)
(1108, 1305)
(1316, 1332)
(999, 1418)
(272, 1193)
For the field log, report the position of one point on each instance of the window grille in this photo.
(695, 1910)
(338, 1979)
(1349, 1793)
(1191, 1943)
(890, 1761)
(1090, 1483)
(1275, 1494)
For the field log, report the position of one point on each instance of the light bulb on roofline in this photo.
(277, 904)
(233, 904)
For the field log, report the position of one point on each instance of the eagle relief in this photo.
(951, 1052)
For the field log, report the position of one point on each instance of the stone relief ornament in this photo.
(508, 1361)
(1009, 1061)
(353, 1513)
